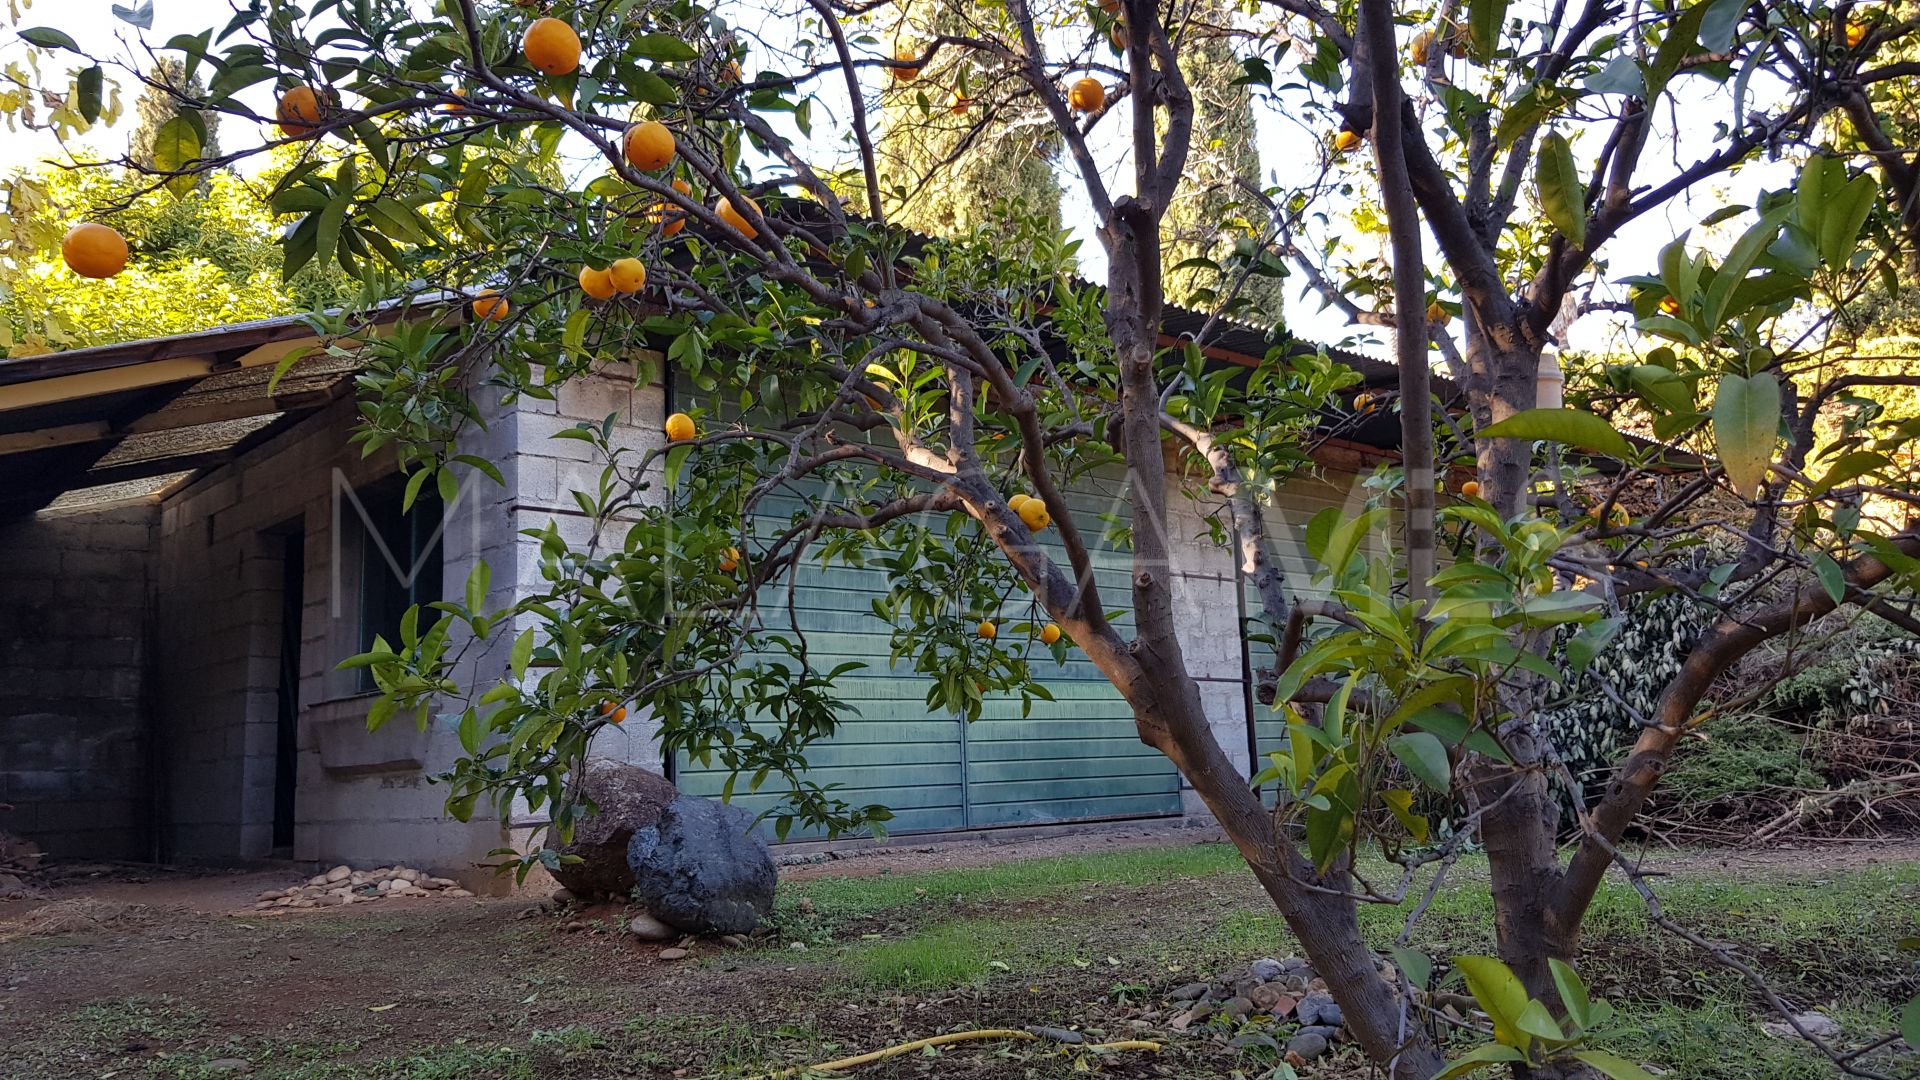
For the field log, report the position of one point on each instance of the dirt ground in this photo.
(175, 974)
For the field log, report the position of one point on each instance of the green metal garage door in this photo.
(1074, 758)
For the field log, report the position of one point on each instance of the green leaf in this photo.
(1415, 965)
(1592, 639)
(87, 86)
(1574, 427)
(1485, 18)
(1494, 985)
(1613, 1065)
(48, 38)
(522, 653)
(1850, 467)
(1746, 419)
(1563, 197)
(1573, 992)
(664, 47)
(1910, 1023)
(175, 146)
(1832, 578)
(1480, 1058)
(1833, 208)
(1536, 1021)
(1740, 260)
(1425, 756)
(1531, 108)
(652, 89)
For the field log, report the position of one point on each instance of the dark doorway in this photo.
(286, 753)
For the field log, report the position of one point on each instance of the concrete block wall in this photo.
(1207, 607)
(220, 583)
(74, 742)
(551, 469)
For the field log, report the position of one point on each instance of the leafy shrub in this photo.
(1743, 753)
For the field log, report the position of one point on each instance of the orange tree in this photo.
(950, 398)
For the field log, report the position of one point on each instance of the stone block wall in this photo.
(75, 587)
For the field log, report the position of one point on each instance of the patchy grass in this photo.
(1087, 941)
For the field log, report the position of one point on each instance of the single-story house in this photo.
(187, 551)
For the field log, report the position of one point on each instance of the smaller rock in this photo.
(1308, 1045)
(1266, 996)
(271, 894)
(1313, 1010)
(1236, 1007)
(331, 900)
(798, 946)
(562, 896)
(1293, 965)
(456, 893)
(1189, 992)
(647, 928)
(734, 941)
(1819, 1025)
(577, 925)
(229, 1065)
(1265, 969)
(673, 954)
(431, 884)
(340, 873)
(805, 905)
(260, 904)
(305, 902)
(317, 879)
(445, 882)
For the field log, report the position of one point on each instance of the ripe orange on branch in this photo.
(490, 306)
(596, 283)
(669, 217)
(551, 47)
(1471, 489)
(1034, 513)
(298, 112)
(987, 630)
(1050, 634)
(628, 275)
(735, 218)
(680, 427)
(906, 70)
(1346, 140)
(94, 250)
(648, 146)
(1087, 96)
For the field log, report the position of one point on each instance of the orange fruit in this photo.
(669, 217)
(1670, 305)
(730, 73)
(1111, 7)
(987, 630)
(1422, 47)
(1346, 140)
(1017, 500)
(906, 71)
(1087, 96)
(1471, 489)
(960, 105)
(596, 283)
(734, 218)
(649, 146)
(628, 275)
(618, 716)
(1362, 402)
(298, 111)
(1117, 38)
(1856, 33)
(490, 306)
(551, 47)
(1050, 634)
(1034, 513)
(730, 561)
(1438, 315)
(94, 250)
(454, 106)
(680, 427)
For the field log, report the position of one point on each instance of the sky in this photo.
(1287, 157)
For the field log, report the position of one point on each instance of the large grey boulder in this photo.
(626, 798)
(703, 868)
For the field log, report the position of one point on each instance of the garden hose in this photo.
(942, 1040)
